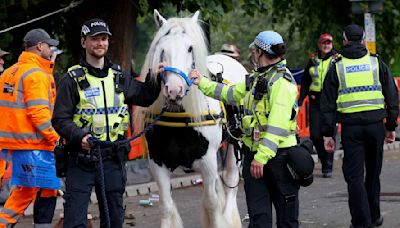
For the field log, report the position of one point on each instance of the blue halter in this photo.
(189, 82)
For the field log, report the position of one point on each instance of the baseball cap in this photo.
(266, 39)
(353, 32)
(325, 37)
(94, 27)
(2, 52)
(38, 35)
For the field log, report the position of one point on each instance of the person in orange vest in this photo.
(3, 163)
(311, 86)
(26, 102)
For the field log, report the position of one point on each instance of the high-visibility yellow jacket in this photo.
(27, 96)
(359, 85)
(274, 115)
(318, 72)
(101, 109)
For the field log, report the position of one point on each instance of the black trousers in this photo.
(316, 136)
(79, 184)
(363, 148)
(276, 187)
(43, 209)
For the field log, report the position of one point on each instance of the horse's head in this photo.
(178, 44)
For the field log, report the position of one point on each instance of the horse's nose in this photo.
(172, 93)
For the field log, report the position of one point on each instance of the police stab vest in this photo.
(257, 111)
(101, 110)
(318, 73)
(359, 85)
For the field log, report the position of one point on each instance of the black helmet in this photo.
(300, 163)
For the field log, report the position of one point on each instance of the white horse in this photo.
(190, 132)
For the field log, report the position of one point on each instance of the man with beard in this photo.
(311, 86)
(92, 101)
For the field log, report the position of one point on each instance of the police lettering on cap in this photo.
(94, 27)
(38, 35)
(353, 32)
(265, 40)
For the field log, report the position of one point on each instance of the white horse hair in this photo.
(179, 43)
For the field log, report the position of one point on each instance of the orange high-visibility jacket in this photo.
(27, 96)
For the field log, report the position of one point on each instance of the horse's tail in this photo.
(231, 180)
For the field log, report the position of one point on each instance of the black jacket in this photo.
(329, 96)
(136, 93)
(306, 79)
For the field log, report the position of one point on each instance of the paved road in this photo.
(323, 204)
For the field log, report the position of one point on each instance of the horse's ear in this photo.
(195, 17)
(160, 20)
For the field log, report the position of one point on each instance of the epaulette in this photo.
(79, 75)
(76, 73)
(336, 58)
(287, 77)
(116, 67)
(313, 55)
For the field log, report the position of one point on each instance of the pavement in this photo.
(323, 204)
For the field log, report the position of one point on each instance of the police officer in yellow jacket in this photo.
(268, 101)
(311, 86)
(359, 92)
(92, 101)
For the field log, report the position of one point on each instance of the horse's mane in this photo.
(194, 102)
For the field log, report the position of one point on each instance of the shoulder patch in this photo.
(76, 73)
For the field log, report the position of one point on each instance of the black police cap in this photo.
(94, 27)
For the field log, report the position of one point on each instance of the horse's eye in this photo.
(190, 49)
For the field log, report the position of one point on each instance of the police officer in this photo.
(268, 101)
(92, 101)
(359, 92)
(311, 86)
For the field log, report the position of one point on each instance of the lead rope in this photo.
(96, 145)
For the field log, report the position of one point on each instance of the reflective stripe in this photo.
(269, 144)
(341, 74)
(218, 91)
(316, 75)
(43, 225)
(231, 98)
(14, 105)
(351, 104)
(374, 63)
(10, 213)
(116, 100)
(11, 135)
(21, 84)
(276, 130)
(360, 89)
(44, 126)
(38, 102)
(3, 221)
(19, 104)
(92, 111)
(265, 129)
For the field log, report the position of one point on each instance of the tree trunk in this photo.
(120, 15)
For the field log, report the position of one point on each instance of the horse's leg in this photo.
(170, 217)
(213, 195)
(230, 177)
